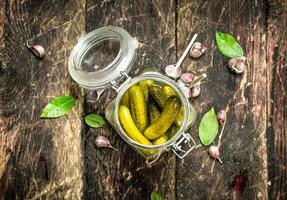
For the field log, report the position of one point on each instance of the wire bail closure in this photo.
(116, 86)
(177, 147)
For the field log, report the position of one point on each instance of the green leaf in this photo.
(208, 127)
(156, 196)
(228, 45)
(58, 107)
(94, 120)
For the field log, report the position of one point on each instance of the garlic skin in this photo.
(195, 90)
(172, 71)
(221, 115)
(237, 64)
(186, 90)
(197, 50)
(214, 152)
(187, 77)
(102, 141)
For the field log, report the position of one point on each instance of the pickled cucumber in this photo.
(157, 94)
(161, 140)
(138, 107)
(165, 120)
(125, 99)
(179, 119)
(144, 87)
(150, 82)
(132, 109)
(131, 130)
(168, 91)
(153, 112)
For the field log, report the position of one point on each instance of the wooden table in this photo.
(58, 159)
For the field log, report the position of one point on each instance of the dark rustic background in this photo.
(58, 159)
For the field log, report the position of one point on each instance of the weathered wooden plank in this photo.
(124, 174)
(243, 142)
(43, 156)
(277, 108)
(40, 160)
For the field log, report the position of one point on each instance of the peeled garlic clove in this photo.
(237, 64)
(187, 77)
(197, 50)
(172, 71)
(214, 152)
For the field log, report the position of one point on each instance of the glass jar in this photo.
(82, 68)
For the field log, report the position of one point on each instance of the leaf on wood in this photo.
(208, 127)
(156, 196)
(58, 107)
(94, 120)
(228, 45)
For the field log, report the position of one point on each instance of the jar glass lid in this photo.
(101, 56)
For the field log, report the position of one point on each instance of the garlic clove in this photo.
(36, 49)
(187, 77)
(221, 115)
(198, 45)
(172, 71)
(214, 152)
(181, 83)
(195, 90)
(186, 90)
(102, 141)
(237, 64)
(197, 50)
(195, 53)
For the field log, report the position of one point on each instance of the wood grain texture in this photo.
(277, 105)
(58, 159)
(41, 157)
(243, 142)
(124, 174)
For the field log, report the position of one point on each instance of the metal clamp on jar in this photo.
(83, 69)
